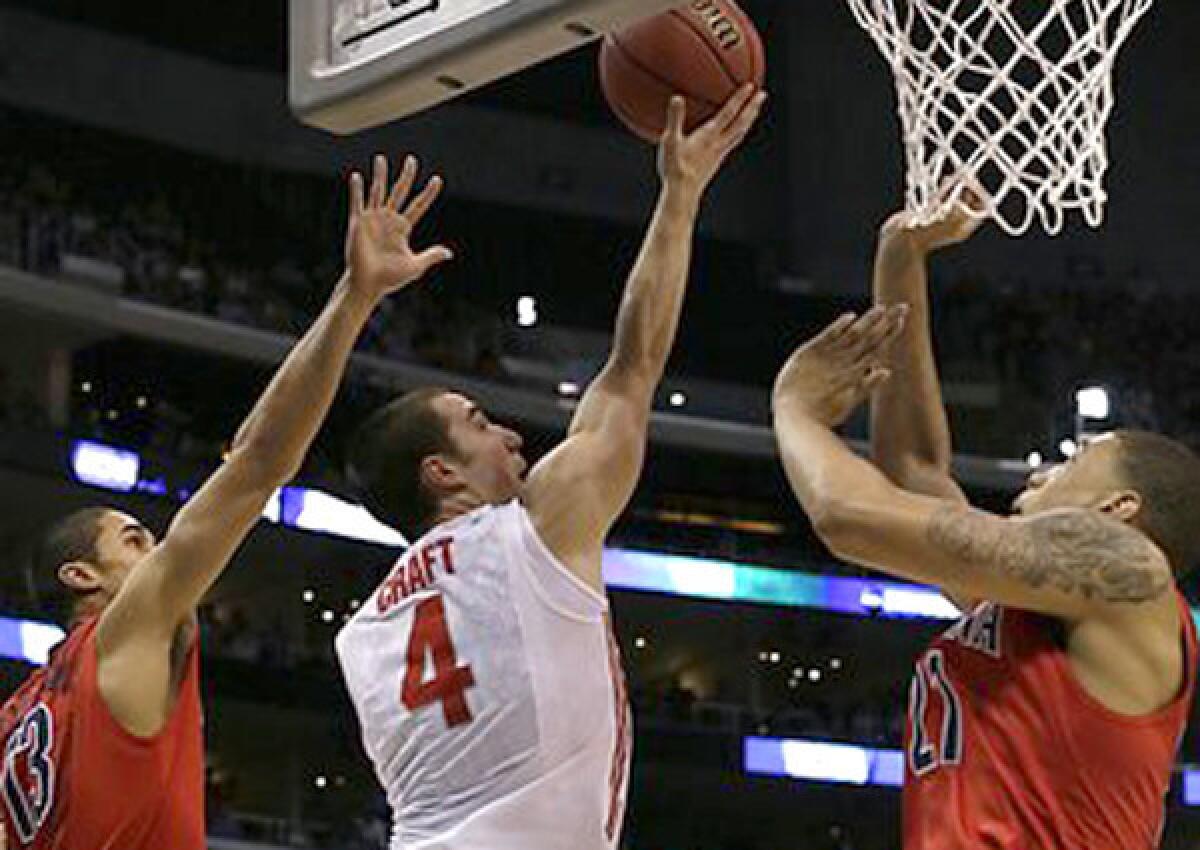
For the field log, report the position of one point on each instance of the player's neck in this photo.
(457, 505)
(90, 606)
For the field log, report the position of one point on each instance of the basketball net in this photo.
(1010, 97)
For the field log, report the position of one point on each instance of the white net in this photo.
(1009, 96)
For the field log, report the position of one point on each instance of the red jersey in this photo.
(74, 779)
(1005, 750)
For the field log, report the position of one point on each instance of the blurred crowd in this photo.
(1136, 338)
(262, 249)
(262, 269)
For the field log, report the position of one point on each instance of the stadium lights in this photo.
(527, 314)
(1034, 459)
(568, 388)
(309, 595)
(678, 399)
(313, 510)
(1092, 403)
(826, 761)
(105, 466)
(111, 468)
(640, 643)
(1191, 787)
(823, 761)
(1068, 447)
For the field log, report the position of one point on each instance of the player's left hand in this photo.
(957, 225)
(828, 377)
(379, 254)
(690, 161)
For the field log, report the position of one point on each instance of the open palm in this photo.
(696, 158)
(836, 371)
(379, 252)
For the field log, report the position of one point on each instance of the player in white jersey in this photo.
(484, 670)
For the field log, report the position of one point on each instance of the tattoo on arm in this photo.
(1077, 553)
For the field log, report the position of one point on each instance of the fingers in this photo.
(742, 124)
(357, 202)
(404, 183)
(379, 180)
(422, 202)
(379, 196)
(855, 343)
(428, 260)
(876, 378)
(732, 110)
(973, 195)
(676, 117)
(874, 333)
(835, 332)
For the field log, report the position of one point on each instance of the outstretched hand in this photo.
(958, 225)
(692, 160)
(836, 371)
(379, 255)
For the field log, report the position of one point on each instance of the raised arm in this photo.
(910, 435)
(576, 493)
(163, 589)
(1073, 564)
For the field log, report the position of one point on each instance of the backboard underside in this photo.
(356, 64)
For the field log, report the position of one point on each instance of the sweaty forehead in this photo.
(1098, 456)
(1104, 445)
(454, 406)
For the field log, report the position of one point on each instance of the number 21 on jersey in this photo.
(430, 639)
(930, 749)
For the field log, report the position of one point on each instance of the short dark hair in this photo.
(384, 460)
(72, 538)
(1166, 474)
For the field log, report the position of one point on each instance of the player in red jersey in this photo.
(1050, 715)
(103, 747)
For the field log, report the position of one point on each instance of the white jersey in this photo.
(490, 693)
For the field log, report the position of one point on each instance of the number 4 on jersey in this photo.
(431, 637)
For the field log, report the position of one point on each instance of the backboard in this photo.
(355, 64)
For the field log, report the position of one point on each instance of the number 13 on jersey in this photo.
(431, 639)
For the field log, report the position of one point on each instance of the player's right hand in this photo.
(379, 255)
(691, 161)
(831, 375)
(958, 225)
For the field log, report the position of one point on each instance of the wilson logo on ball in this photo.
(703, 51)
(723, 29)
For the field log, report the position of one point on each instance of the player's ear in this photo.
(1123, 505)
(439, 475)
(80, 576)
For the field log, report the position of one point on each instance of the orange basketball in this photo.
(704, 50)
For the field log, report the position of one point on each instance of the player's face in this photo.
(490, 459)
(1086, 480)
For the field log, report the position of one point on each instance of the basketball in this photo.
(704, 51)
